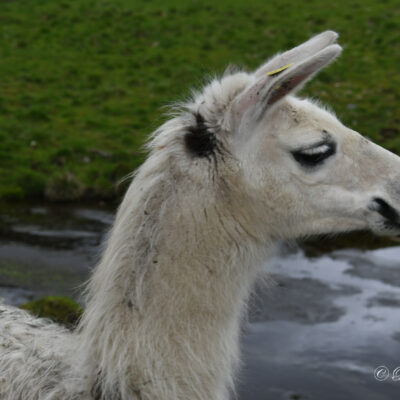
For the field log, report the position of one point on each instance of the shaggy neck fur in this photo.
(165, 304)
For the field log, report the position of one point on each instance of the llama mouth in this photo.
(390, 223)
(388, 212)
(386, 228)
(392, 226)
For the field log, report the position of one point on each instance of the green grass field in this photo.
(83, 82)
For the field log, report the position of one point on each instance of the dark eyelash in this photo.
(311, 160)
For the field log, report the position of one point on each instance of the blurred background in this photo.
(82, 84)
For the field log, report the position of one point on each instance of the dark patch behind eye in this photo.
(199, 140)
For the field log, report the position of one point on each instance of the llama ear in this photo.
(299, 53)
(273, 86)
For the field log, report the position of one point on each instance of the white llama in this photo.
(242, 166)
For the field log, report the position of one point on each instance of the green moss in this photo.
(59, 309)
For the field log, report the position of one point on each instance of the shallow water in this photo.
(48, 250)
(319, 331)
(324, 328)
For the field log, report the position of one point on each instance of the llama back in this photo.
(34, 358)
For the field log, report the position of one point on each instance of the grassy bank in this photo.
(83, 82)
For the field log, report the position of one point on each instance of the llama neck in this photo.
(167, 299)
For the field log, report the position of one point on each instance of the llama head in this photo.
(301, 171)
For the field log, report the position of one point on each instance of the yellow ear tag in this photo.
(277, 71)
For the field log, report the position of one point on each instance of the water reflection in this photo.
(48, 250)
(324, 328)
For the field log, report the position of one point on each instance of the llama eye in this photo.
(313, 156)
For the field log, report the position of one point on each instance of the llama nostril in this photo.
(382, 207)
